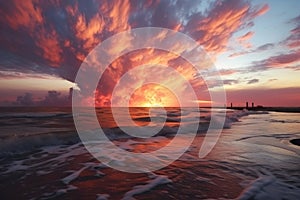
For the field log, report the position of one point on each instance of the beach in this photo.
(42, 157)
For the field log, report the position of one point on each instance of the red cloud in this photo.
(118, 12)
(261, 11)
(123, 64)
(215, 30)
(62, 34)
(247, 36)
(50, 46)
(27, 17)
(25, 14)
(112, 16)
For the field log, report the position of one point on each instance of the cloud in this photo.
(53, 98)
(110, 78)
(224, 72)
(246, 36)
(255, 80)
(54, 37)
(22, 14)
(57, 34)
(230, 82)
(218, 25)
(260, 11)
(272, 79)
(264, 47)
(17, 75)
(288, 60)
(10, 62)
(243, 40)
(25, 100)
(293, 41)
(61, 34)
(50, 46)
(169, 14)
(261, 48)
(26, 16)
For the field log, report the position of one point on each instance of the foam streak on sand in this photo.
(268, 187)
(73, 176)
(158, 180)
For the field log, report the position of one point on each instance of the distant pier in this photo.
(262, 108)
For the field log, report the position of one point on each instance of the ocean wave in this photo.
(27, 141)
(14, 144)
(35, 115)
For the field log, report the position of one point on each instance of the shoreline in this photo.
(272, 109)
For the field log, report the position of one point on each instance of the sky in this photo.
(255, 45)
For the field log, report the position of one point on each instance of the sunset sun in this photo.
(153, 95)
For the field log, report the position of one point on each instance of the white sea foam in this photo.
(60, 192)
(268, 187)
(73, 176)
(139, 189)
(102, 196)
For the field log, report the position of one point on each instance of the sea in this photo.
(42, 156)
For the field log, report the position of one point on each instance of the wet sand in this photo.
(84, 177)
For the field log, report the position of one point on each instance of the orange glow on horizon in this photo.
(153, 95)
